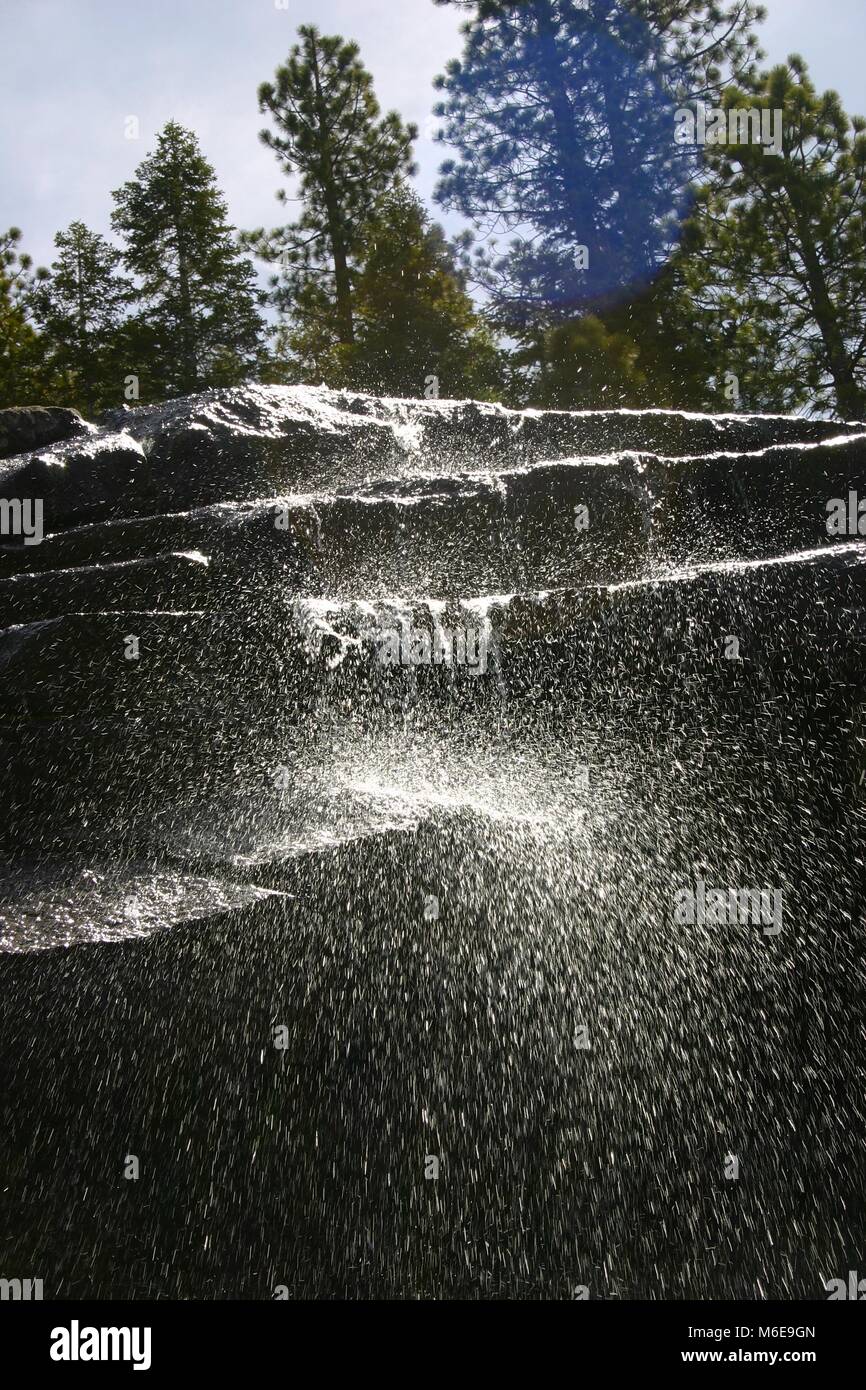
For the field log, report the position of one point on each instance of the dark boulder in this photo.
(27, 427)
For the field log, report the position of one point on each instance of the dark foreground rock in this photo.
(23, 428)
(299, 912)
(407, 1037)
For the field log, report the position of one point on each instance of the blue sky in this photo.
(75, 69)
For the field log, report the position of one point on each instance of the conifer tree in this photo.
(416, 328)
(781, 274)
(562, 115)
(22, 370)
(584, 365)
(331, 135)
(80, 308)
(415, 318)
(199, 299)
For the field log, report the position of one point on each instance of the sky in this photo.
(75, 70)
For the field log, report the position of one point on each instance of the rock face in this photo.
(364, 750)
(34, 426)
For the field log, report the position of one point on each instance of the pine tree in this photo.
(562, 115)
(329, 133)
(306, 344)
(416, 329)
(199, 319)
(80, 308)
(675, 336)
(415, 319)
(782, 269)
(23, 377)
(583, 365)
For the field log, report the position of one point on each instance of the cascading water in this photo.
(433, 846)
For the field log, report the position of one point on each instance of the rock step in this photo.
(239, 445)
(271, 417)
(550, 524)
(159, 582)
(803, 617)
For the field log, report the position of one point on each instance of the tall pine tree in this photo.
(416, 328)
(415, 319)
(199, 319)
(80, 309)
(781, 275)
(562, 115)
(331, 135)
(23, 378)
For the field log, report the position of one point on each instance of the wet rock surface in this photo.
(33, 426)
(354, 755)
